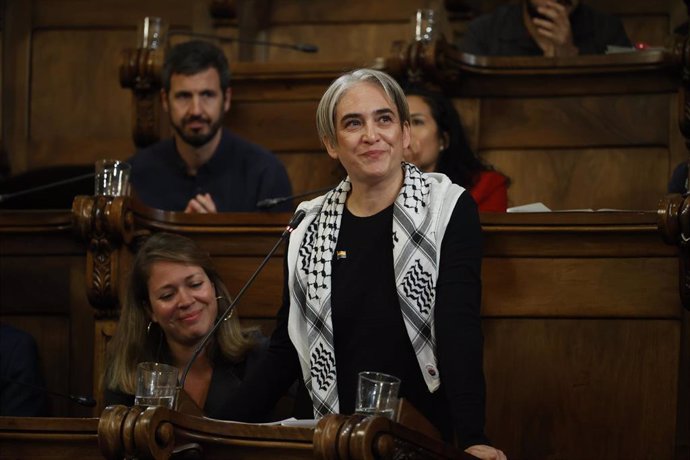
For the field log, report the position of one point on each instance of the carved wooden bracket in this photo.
(105, 223)
(140, 71)
(673, 222)
(135, 432)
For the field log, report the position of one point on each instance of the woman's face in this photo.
(426, 143)
(183, 301)
(371, 138)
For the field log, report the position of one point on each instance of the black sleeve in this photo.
(458, 325)
(268, 380)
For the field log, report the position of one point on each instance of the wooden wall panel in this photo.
(574, 121)
(311, 171)
(599, 287)
(632, 178)
(578, 387)
(359, 42)
(73, 14)
(354, 11)
(68, 107)
(279, 126)
(42, 290)
(650, 30)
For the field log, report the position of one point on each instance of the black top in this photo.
(369, 332)
(503, 33)
(225, 379)
(238, 175)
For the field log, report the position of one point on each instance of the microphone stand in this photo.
(294, 222)
(270, 202)
(303, 47)
(81, 400)
(8, 196)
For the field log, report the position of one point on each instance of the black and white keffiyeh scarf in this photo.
(420, 215)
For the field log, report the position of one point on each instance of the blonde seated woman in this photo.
(173, 298)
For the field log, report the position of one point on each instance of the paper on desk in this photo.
(531, 207)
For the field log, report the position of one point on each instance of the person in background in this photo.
(544, 27)
(439, 144)
(21, 381)
(383, 274)
(204, 168)
(172, 300)
(679, 179)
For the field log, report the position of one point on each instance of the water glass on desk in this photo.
(156, 385)
(377, 394)
(112, 178)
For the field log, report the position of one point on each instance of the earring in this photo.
(148, 328)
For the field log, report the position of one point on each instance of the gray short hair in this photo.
(325, 113)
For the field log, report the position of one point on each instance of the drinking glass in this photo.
(151, 33)
(112, 178)
(156, 385)
(425, 25)
(377, 394)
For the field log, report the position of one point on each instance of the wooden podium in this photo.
(161, 433)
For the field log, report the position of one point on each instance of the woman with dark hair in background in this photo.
(439, 144)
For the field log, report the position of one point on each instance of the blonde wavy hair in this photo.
(134, 343)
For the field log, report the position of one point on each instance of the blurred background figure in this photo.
(544, 27)
(204, 167)
(173, 299)
(21, 381)
(439, 145)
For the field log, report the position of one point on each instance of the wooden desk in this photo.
(586, 342)
(581, 316)
(156, 432)
(37, 438)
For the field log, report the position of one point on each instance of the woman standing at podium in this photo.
(172, 301)
(383, 274)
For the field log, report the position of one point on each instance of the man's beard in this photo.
(196, 140)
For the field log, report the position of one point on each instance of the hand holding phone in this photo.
(551, 21)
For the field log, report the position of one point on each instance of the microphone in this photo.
(81, 400)
(303, 47)
(8, 196)
(294, 222)
(267, 203)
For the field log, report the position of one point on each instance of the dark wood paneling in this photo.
(574, 121)
(622, 178)
(577, 388)
(568, 287)
(42, 290)
(68, 107)
(70, 14)
(268, 124)
(358, 42)
(648, 29)
(615, 178)
(332, 11)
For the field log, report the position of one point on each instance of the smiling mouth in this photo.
(192, 317)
